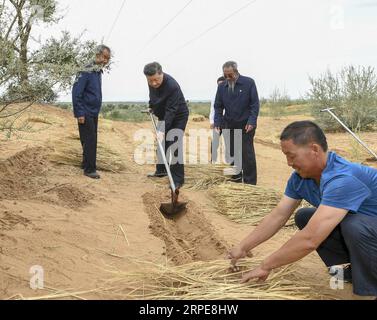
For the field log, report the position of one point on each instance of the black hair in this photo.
(221, 79)
(305, 132)
(102, 48)
(152, 68)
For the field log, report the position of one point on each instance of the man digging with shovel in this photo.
(169, 105)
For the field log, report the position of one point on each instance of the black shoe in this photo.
(249, 183)
(345, 276)
(157, 175)
(236, 179)
(92, 175)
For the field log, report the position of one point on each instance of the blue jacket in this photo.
(168, 102)
(87, 94)
(241, 106)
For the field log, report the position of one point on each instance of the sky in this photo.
(278, 43)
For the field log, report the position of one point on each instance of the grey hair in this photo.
(231, 64)
(101, 49)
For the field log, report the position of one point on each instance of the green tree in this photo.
(38, 72)
(352, 92)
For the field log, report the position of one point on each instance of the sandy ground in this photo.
(76, 229)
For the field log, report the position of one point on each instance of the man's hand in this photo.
(249, 128)
(218, 130)
(234, 255)
(81, 120)
(259, 273)
(160, 136)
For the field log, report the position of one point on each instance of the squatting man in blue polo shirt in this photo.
(341, 226)
(87, 102)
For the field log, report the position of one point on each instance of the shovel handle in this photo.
(162, 152)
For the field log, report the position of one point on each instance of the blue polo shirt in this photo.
(344, 185)
(241, 105)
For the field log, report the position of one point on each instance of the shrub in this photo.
(352, 92)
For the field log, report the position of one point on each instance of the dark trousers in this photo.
(248, 167)
(353, 241)
(88, 138)
(177, 167)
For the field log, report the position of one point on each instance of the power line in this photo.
(211, 28)
(164, 27)
(116, 20)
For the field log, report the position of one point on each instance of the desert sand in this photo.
(76, 228)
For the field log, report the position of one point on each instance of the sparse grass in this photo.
(268, 110)
(39, 119)
(131, 111)
(68, 151)
(357, 152)
(200, 108)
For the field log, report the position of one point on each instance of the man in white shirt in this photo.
(216, 137)
(212, 113)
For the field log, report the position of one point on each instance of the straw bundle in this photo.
(69, 152)
(204, 281)
(245, 203)
(202, 177)
(248, 204)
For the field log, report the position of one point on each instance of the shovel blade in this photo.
(171, 210)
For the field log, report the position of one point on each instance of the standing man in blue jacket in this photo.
(168, 103)
(87, 102)
(238, 96)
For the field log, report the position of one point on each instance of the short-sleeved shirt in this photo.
(344, 185)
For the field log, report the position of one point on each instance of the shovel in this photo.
(175, 207)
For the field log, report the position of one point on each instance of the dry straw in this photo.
(245, 204)
(205, 281)
(202, 177)
(196, 281)
(68, 151)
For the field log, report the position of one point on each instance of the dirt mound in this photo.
(23, 174)
(189, 237)
(26, 176)
(67, 195)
